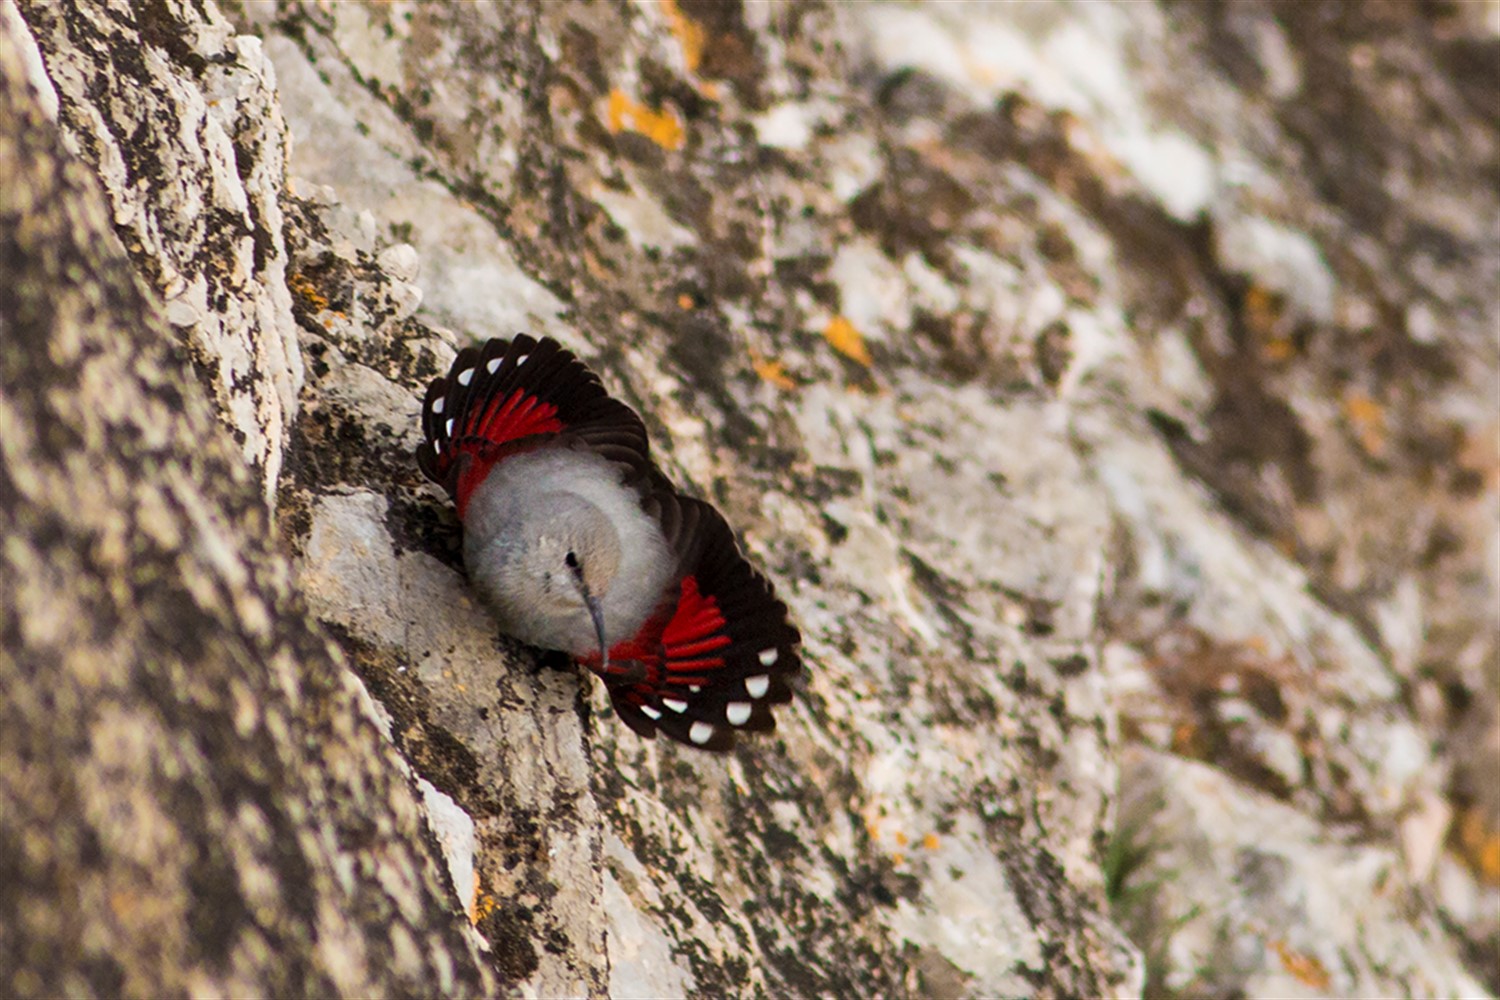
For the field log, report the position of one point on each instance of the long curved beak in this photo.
(597, 613)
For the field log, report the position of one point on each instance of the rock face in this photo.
(195, 796)
(1111, 391)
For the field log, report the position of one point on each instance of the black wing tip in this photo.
(713, 555)
(678, 729)
(681, 730)
(688, 728)
(427, 462)
(631, 715)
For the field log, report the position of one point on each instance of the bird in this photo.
(576, 541)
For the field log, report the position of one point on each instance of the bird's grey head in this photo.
(565, 554)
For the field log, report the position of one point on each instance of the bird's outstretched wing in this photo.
(513, 395)
(721, 652)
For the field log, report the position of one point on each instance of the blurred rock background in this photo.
(1112, 390)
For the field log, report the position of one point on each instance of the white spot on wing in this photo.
(494, 365)
(466, 376)
(448, 427)
(521, 359)
(757, 686)
(677, 706)
(695, 688)
(650, 712)
(737, 712)
(768, 656)
(701, 733)
(439, 403)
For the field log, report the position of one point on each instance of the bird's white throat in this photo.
(531, 514)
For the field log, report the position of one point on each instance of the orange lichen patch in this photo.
(873, 829)
(845, 339)
(1278, 349)
(689, 34)
(1367, 417)
(1264, 315)
(662, 127)
(302, 286)
(694, 39)
(930, 842)
(1305, 968)
(484, 905)
(900, 839)
(898, 858)
(1185, 739)
(685, 302)
(1260, 310)
(773, 372)
(1479, 844)
(124, 903)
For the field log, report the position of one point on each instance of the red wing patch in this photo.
(511, 396)
(716, 660)
(517, 416)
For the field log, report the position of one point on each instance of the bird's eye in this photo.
(571, 560)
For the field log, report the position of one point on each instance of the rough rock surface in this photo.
(195, 796)
(1111, 391)
(186, 133)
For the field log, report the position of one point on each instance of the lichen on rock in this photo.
(1108, 388)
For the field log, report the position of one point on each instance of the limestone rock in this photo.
(1108, 388)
